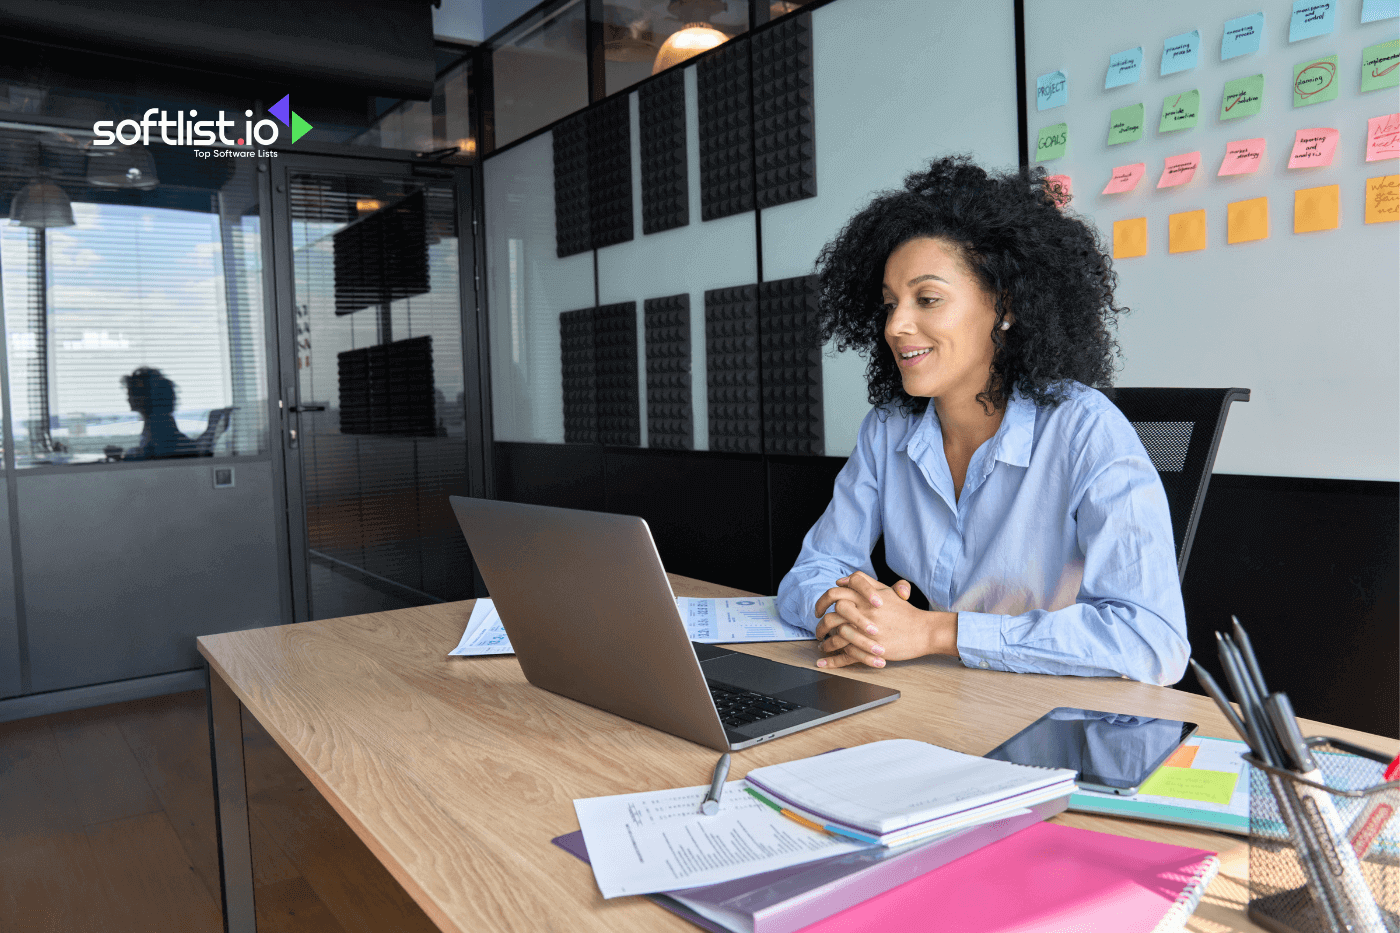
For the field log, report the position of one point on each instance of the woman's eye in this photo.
(929, 301)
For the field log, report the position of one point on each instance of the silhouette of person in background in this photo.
(152, 396)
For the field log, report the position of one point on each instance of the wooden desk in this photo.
(457, 773)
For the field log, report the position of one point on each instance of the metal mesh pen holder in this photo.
(1304, 875)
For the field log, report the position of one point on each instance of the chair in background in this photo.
(218, 424)
(1181, 430)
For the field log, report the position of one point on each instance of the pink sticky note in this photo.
(1313, 147)
(1060, 188)
(1125, 178)
(1179, 169)
(1242, 157)
(1383, 138)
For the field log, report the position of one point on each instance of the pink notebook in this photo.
(1046, 878)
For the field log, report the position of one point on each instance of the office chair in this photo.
(1181, 430)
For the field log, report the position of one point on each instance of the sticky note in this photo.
(1315, 81)
(1052, 142)
(1373, 10)
(1383, 137)
(1242, 98)
(1383, 199)
(1125, 178)
(1313, 147)
(1051, 90)
(1311, 18)
(1123, 68)
(1125, 125)
(1186, 232)
(1316, 208)
(1179, 170)
(1247, 220)
(1179, 52)
(1242, 157)
(1060, 188)
(1130, 238)
(1242, 36)
(1379, 66)
(1180, 112)
(1182, 757)
(1191, 784)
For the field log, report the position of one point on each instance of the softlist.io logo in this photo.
(187, 130)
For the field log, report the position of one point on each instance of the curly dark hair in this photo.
(1045, 266)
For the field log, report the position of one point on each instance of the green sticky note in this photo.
(1180, 111)
(1052, 142)
(1379, 66)
(1242, 98)
(1191, 784)
(1314, 81)
(1125, 125)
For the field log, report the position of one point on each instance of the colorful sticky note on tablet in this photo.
(1125, 125)
(1242, 98)
(1315, 81)
(1383, 199)
(1313, 147)
(1380, 66)
(1123, 68)
(1186, 232)
(1060, 188)
(1373, 10)
(1179, 169)
(1311, 18)
(1191, 784)
(1383, 137)
(1247, 220)
(1242, 36)
(1180, 112)
(1130, 238)
(1242, 157)
(1316, 208)
(1180, 52)
(1052, 142)
(1125, 178)
(1051, 90)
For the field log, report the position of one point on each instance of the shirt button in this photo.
(983, 664)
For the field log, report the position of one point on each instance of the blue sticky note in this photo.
(1242, 36)
(1179, 52)
(1312, 18)
(1124, 68)
(1051, 90)
(1373, 10)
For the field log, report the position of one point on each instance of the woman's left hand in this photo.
(870, 623)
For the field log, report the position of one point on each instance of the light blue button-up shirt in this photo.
(1058, 557)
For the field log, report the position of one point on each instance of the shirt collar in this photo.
(1011, 444)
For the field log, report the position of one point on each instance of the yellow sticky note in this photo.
(1186, 231)
(1191, 784)
(1248, 220)
(1383, 199)
(1316, 208)
(1130, 238)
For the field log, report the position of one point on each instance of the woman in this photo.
(1017, 497)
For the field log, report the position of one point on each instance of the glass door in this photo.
(380, 402)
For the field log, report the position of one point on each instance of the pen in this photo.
(1212, 688)
(710, 805)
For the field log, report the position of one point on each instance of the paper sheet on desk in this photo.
(658, 841)
(710, 621)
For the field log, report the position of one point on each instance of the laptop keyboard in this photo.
(740, 707)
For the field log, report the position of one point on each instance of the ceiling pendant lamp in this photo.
(124, 167)
(40, 205)
(686, 43)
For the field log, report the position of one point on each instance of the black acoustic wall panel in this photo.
(792, 367)
(383, 257)
(784, 136)
(726, 132)
(615, 362)
(731, 369)
(388, 389)
(665, 190)
(669, 420)
(571, 221)
(580, 382)
(610, 172)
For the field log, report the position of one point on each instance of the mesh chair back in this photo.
(1181, 430)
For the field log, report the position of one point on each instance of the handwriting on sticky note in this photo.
(1051, 90)
(1052, 142)
(1242, 157)
(1383, 137)
(1125, 178)
(1313, 147)
(1241, 36)
(1315, 81)
(1191, 784)
(1060, 188)
(1242, 97)
(1125, 125)
(1123, 68)
(1383, 199)
(1380, 66)
(1180, 112)
(1179, 169)
(1179, 52)
(1311, 18)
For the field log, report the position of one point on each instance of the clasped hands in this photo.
(870, 623)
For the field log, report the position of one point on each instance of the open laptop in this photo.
(590, 613)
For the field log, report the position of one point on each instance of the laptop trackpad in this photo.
(757, 674)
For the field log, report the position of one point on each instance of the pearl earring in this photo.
(1005, 325)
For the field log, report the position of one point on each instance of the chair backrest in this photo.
(1181, 430)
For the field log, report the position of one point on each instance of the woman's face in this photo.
(938, 321)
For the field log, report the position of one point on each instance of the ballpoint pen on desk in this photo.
(710, 805)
